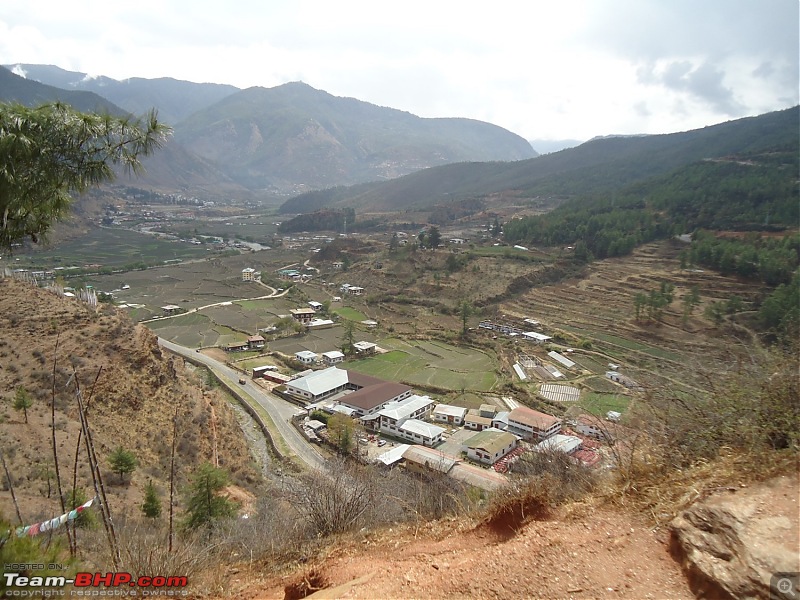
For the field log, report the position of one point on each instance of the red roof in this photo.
(533, 418)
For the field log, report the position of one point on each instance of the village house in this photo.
(259, 371)
(370, 399)
(365, 348)
(332, 357)
(255, 342)
(317, 306)
(446, 413)
(319, 324)
(306, 357)
(474, 421)
(352, 290)
(489, 446)
(303, 315)
(237, 347)
(403, 419)
(532, 425)
(248, 274)
(500, 420)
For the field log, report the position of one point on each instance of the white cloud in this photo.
(571, 69)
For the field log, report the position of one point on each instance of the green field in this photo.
(589, 363)
(600, 404)
(350, 314)
(431, 363)
(195, 330)
(115, 248)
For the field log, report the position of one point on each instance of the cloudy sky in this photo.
(545, 69)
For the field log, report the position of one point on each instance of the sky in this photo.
(544, 69)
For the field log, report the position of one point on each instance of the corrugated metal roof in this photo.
(562, 359)
(433, 459)
(371, 396)
(402, 409)
(320, 382)
(395, 454)
(490, 440)
(450, 410)
(422, 428)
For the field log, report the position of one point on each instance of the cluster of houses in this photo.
(295, 275)
(394, 410)
(333, 357)
(253, 342)
(514, 330)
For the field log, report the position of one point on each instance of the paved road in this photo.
(278, 409)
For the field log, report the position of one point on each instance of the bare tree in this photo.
(334, 502)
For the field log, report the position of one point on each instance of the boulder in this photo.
(731, 544)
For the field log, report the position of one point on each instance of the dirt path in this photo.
(594, 554)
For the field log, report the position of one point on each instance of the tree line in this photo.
(748, 193)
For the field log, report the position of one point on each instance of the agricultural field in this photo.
(600, 404)
(597, 311)
(431, 363)
(194, 331)
(349, 313)
(415, 299)
(114, 248)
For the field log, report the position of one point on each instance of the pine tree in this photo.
(151, 507)
(52, 151)
(123, 462)
(22, 401)
(204, 504)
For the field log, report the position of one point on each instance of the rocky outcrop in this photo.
(732, 544)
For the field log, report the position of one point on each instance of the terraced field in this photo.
(598, 311)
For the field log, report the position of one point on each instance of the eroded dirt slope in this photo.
(587, 553)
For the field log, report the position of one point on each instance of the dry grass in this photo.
(131, 403)
(542, 481)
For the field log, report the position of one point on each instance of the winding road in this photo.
(279, 410)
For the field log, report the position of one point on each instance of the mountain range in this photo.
(308, 149)
(277, 141)
(599, 166)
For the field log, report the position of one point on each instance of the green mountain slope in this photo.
(598, 166)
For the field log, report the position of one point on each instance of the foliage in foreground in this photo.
(747, 427)
(49, 152)
(204, 504)
(27, 550)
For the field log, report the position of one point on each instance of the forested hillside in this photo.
(744, 193)
(598, 167)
